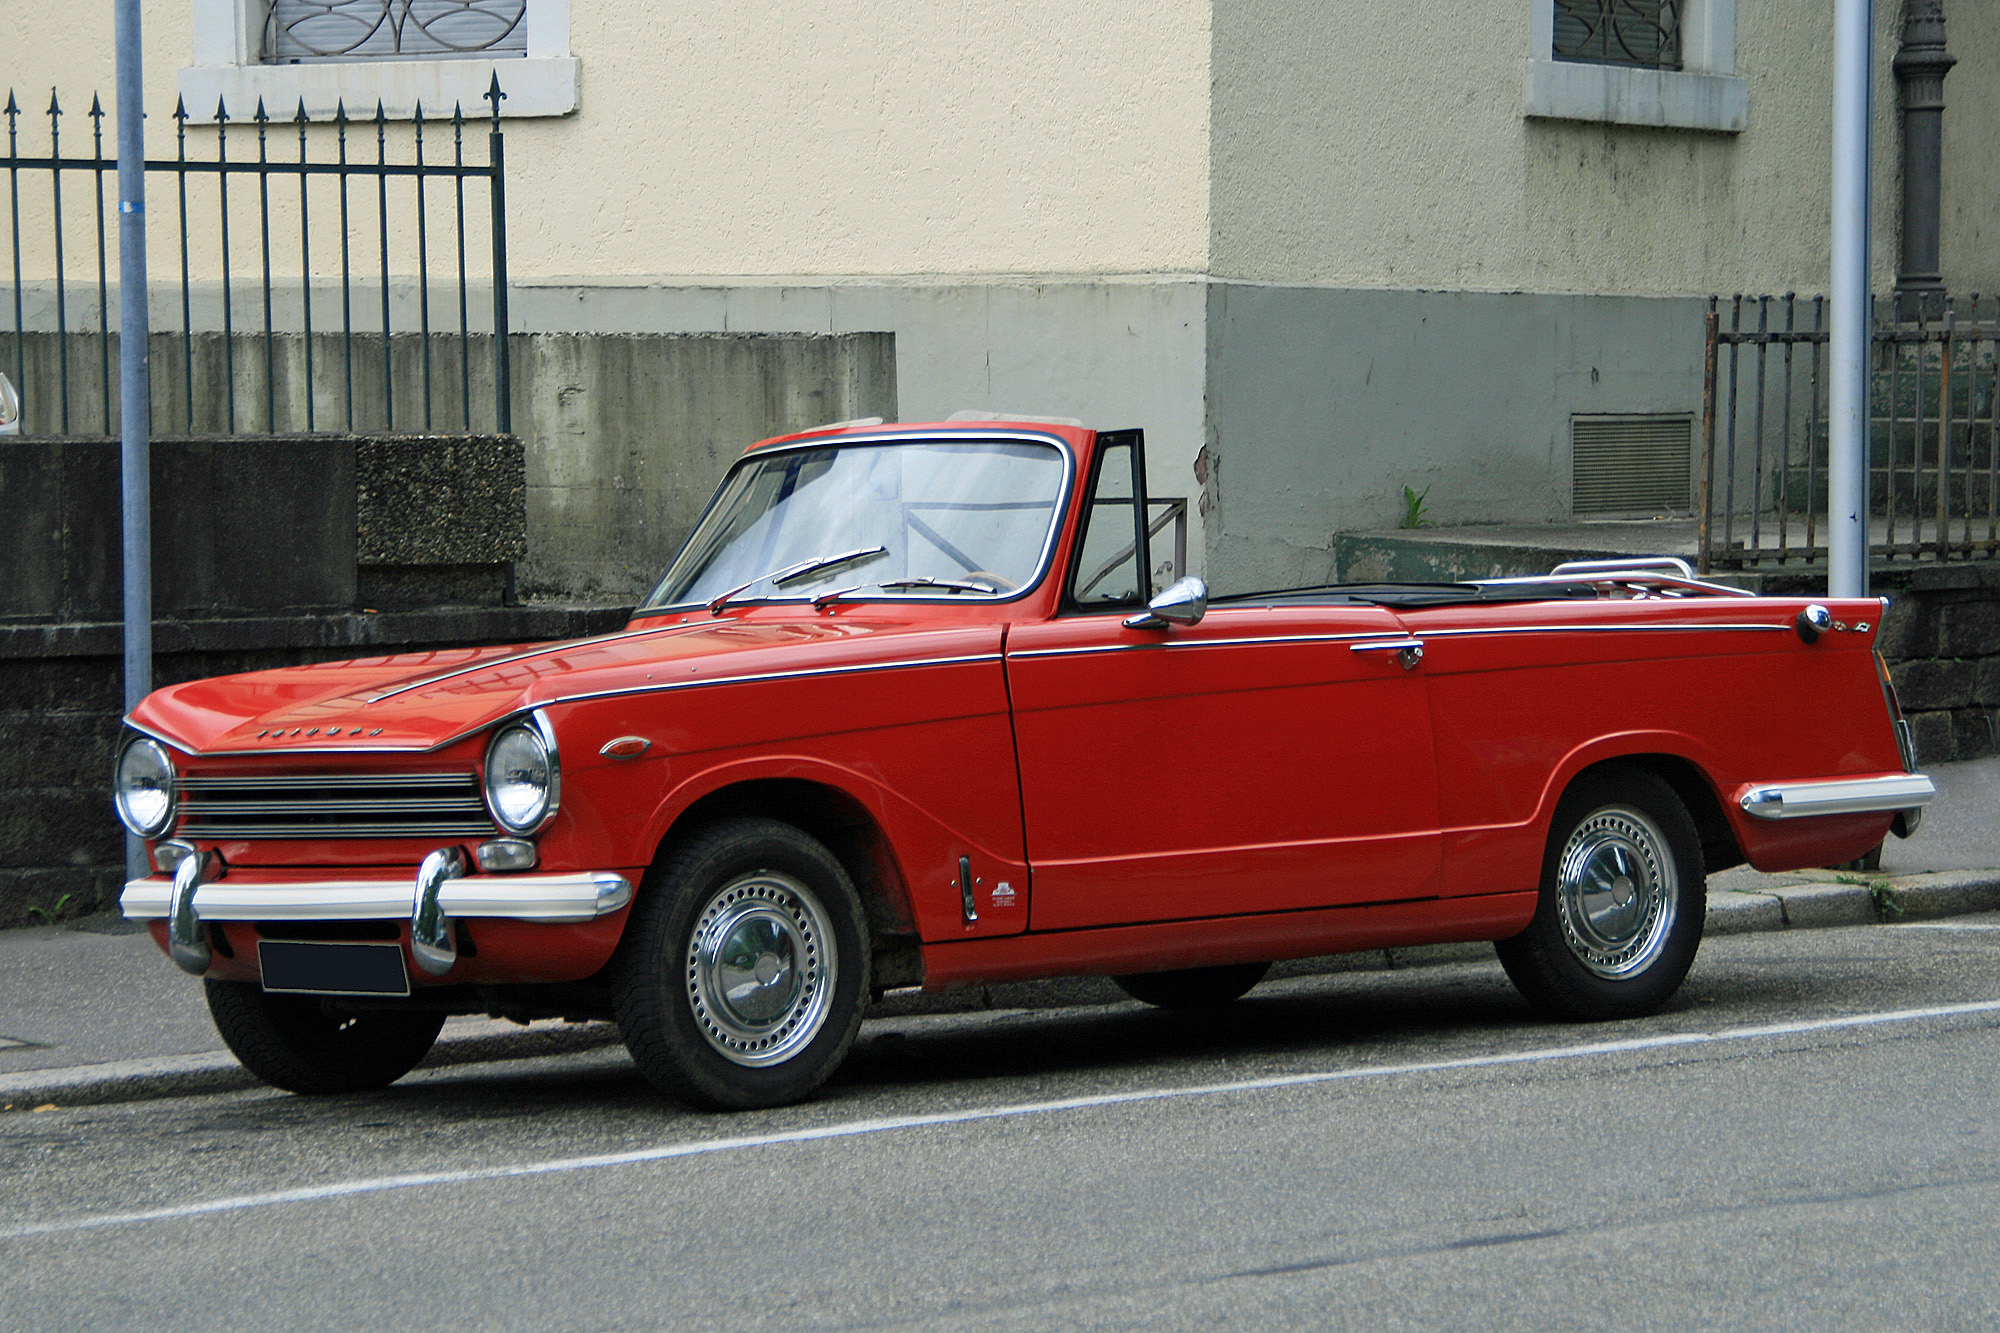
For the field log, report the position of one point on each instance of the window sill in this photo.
(1620, 95)
(545, 86)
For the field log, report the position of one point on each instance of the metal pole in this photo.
(1847, 385)
(135, 387)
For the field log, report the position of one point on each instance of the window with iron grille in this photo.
(1619, 32)
(323, 55)
(307, 30)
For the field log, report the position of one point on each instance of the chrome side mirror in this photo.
(10, 408)
(1182, 603)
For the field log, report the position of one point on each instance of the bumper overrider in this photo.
(441, 892)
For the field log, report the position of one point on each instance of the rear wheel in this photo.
(744, 969)
(1193, 987)
(303, 1044)
(1622, 902)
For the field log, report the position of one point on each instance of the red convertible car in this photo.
(908, 711)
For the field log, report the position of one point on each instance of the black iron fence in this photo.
(1933, 488)
(335, 275)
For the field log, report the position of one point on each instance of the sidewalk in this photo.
(94, 1012)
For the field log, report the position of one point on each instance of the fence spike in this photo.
(96, 108)
(494, 95)
(457, 111)
(260, 117)
(302, 118)
(221, 111)
(54, 110)
(381, 116)
(13, 109)
(181, 109)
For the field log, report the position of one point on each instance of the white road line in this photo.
(885, 1124)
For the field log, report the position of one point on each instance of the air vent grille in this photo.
(346, 805)
(1632, 464)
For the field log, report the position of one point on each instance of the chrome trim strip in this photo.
(561, 645)
(658, 687)
(582, 896)
(1838, 796)
(1248, 641)
(1591, 629)
(800, 674)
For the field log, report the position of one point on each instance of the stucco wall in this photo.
(1375, 147)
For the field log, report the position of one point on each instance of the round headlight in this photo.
(520, 778)
(143, 788)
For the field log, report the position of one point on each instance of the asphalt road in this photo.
(1807, 1139)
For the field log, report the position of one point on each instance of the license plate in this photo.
(333, 969)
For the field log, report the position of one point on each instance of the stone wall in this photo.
(1942, 640)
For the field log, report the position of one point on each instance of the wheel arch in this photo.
(1719, 846)
(837, 819)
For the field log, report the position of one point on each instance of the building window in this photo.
(439, 54)
(1646, 33)
(303, 30)
(1636, 62)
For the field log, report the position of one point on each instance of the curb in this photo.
(218, 1071)
(1800, 900)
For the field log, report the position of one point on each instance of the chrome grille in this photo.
(346, 805)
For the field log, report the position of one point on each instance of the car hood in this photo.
(420, 701)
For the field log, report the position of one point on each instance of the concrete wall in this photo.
(1325, 402)
(1377, 147)
(1113, 353)
(628, 434)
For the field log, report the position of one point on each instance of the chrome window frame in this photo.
(1064, 450)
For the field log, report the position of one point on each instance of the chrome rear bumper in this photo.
(1838, 796)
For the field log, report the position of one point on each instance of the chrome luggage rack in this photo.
(1638, 578)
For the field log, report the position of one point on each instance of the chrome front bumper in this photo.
(1838, 796)
(441, 891)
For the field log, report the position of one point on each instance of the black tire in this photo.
(1193, 987)
(293, 1041)
(734, 888)
(1623, 897)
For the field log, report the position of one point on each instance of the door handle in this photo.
(1408, 652)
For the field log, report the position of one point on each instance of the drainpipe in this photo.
(1847, 351)
(1921, 64)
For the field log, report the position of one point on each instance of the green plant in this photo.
(1415, 512)
(50, 915)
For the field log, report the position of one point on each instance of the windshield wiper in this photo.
(778, 578)
(949, 585)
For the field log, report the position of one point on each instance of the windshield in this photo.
(904, 518)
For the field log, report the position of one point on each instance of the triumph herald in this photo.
(907, 710)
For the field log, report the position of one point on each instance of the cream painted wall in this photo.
(1355, 147)
(849, 137)
(852, 136)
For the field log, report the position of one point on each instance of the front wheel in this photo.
(1623, 898)
(302, 1044)
(744, 968)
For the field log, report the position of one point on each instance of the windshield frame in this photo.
(1058, 518)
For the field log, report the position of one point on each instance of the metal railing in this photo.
(305, 295)
(1933, 489)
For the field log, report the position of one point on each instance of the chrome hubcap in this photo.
(760, 969)
(1616, 892)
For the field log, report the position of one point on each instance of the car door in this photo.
(1267, 758)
